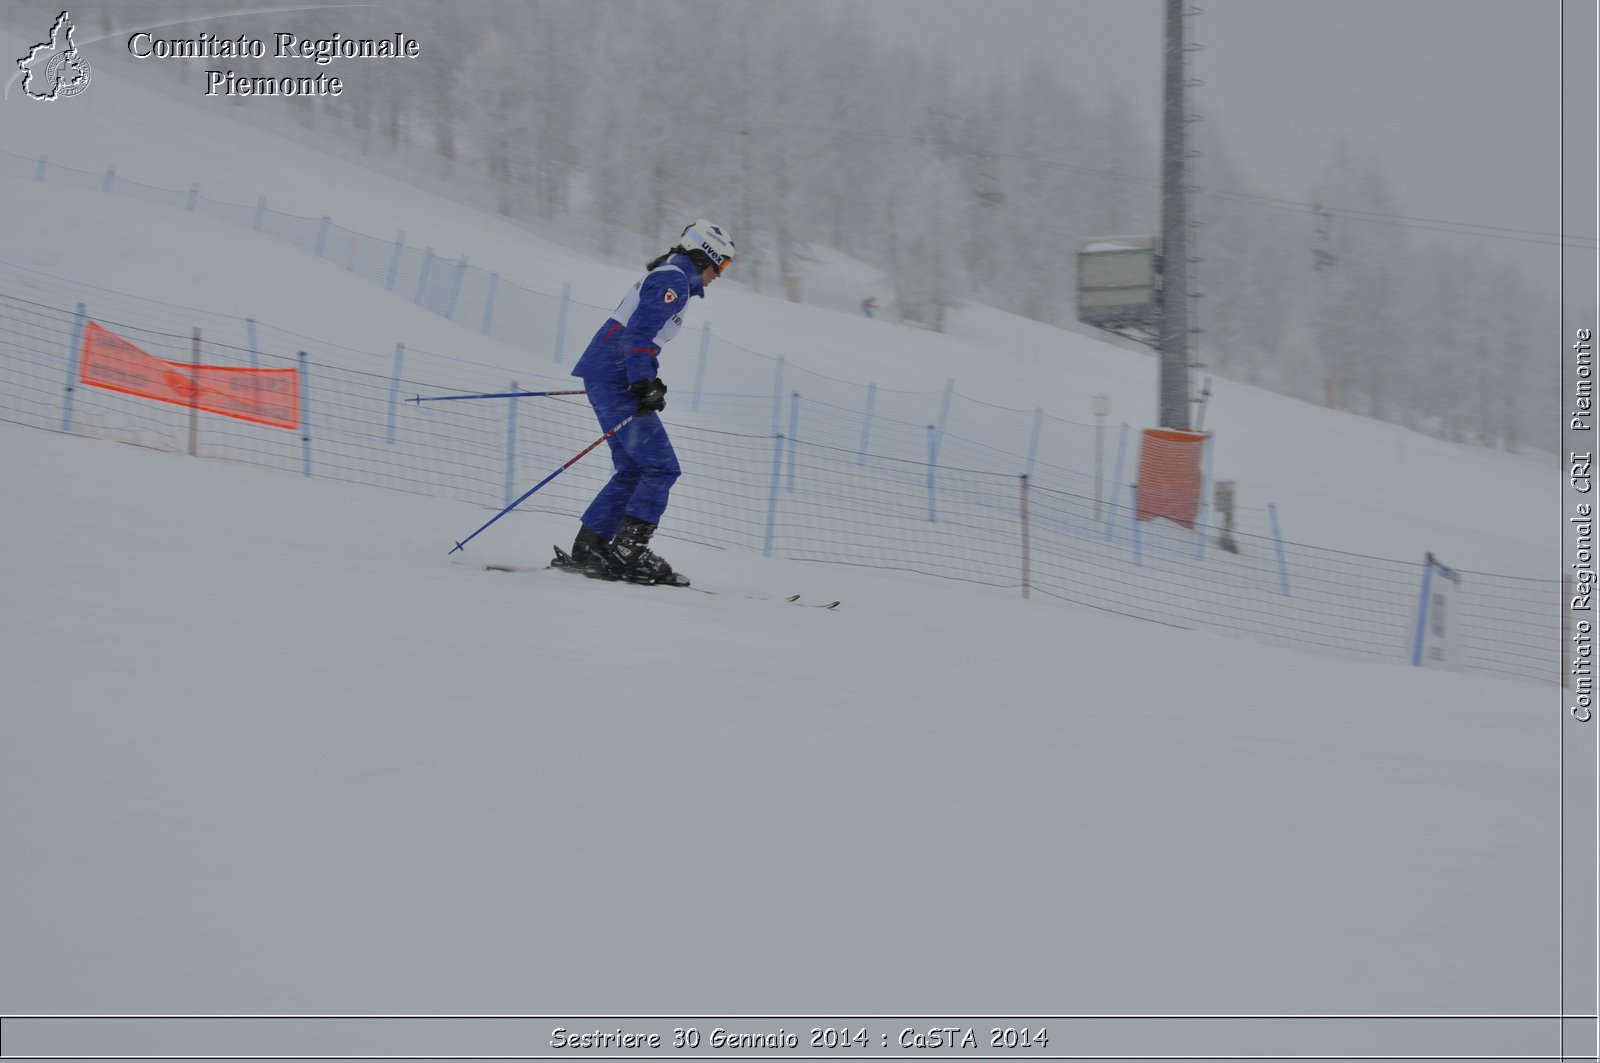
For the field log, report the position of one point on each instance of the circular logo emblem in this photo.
(68, 72)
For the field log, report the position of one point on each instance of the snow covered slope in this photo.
(267, 750)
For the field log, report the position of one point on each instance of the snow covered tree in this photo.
(1251, 272)
(1359, 302)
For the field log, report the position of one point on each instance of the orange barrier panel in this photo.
(263, 396)
(1170, 474)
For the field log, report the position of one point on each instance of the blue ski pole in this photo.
(526, 494)
(496, 395)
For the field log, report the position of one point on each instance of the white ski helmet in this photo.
(707, 244)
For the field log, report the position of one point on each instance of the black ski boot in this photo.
(588, 550)
(632, 559)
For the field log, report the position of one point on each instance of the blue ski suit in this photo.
(624, 351)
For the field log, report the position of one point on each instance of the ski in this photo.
(794, 599)
(563, 563)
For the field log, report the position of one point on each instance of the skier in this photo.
(619, 370)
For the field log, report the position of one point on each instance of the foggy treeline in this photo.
(801, 126)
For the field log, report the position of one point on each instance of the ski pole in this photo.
(496, 395)
(525, 495)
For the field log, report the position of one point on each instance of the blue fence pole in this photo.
(250, 338)
(110, 178)
(322, 235)
(305, 415)
(777, 397)
(794, 435)
(700, 370)
(394, 259)
(455, 288)
(935, 438)
(1277, 538)
(488, 302)
(261, 213)
(1033, 441)
(1116, 482)
(1420, 634)
(866, 424)
(944, 409)
(1205, 501)
(1023, 524)
(78, 322)
(394, 385)
(422, 279)
(772, 495)
(511, 448)
(1133, 518)
(561, 321)
(38, 171)
(194, 196)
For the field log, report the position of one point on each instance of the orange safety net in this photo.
(262, 396)
(1170, 475)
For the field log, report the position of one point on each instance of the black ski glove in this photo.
(652, 394)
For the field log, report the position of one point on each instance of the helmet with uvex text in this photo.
(708, 245)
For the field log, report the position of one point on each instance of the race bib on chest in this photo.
(630, 303)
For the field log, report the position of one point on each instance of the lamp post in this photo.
(1100, 405)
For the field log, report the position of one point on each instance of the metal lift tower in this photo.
(1174, 344)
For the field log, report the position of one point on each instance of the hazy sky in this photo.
(1460, 99)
